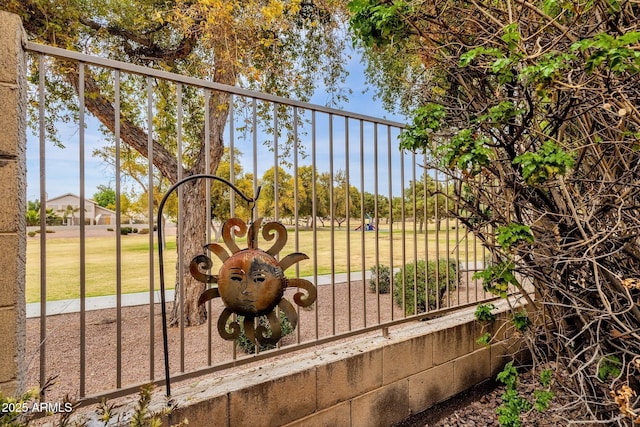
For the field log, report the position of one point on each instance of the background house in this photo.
(67, 206)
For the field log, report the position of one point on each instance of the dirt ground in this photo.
(132, 353)
(141, 356)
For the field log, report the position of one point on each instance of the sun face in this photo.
(251, 282)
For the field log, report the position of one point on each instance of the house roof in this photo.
(93, 202)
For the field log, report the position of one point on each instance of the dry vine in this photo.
(532, 109)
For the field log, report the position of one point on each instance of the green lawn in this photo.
(63, 258)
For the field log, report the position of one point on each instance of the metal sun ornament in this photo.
(251, 281)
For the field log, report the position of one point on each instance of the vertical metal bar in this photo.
(232, 158)
(332, 238)
(466, 254)
(207, 206)
(436, 214)
(180, 264)
(347, 208)
(363, 266)
(404, 237)
(83, 348)
(207, 141)
(116, 90)
(295, 185)
(447, 245)
(458, 281)
(150, 215)
(276, 172)
(475, 259)
(43, 226)
(425, 192)
(254, 126)
(389, 169)
(295, 201)
(314, 209)
(376, 219)
(414, 189)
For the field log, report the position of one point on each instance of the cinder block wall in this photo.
(12, 202)
(366, 382)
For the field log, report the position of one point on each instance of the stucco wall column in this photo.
(12, 203)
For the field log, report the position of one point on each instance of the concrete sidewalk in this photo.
(143, 298)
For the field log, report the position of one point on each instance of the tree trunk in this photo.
(193, 227)
(193, 218)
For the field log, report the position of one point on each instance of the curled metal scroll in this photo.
(251, 281)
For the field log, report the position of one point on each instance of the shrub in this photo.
(109, 229)
(249, 347)
(380, 276)
(31, 233)
(143, 231)
(425, 273)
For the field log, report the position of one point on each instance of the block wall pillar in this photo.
(13, 116)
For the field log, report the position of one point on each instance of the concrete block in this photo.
(472, 369)
(13, 37)
(10, 119)
(12, 206)
(9, 347)
(8, 388)
(382, 407)
(276, 402)
(10, 261)
(406, 358)
(213, 411)
(430, 387)
(343, 379)
(338, 415)
(453, 342)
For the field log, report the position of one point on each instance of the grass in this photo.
(63, 258)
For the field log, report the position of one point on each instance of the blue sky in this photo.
(62, 164)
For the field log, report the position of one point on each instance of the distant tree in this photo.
(32, 217)
(382, 207)
(286, 202)
(346, 200)
(434, 201)
(69, 214)
(105, 197)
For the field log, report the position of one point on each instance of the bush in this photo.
(143, 231)
(436, 291)
(109, 229)
(31, 233)
(249, 347)
(380, 276)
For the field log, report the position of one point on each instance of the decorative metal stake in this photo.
(250, 283)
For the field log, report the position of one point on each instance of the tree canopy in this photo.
(283, 47)
(531, 108)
